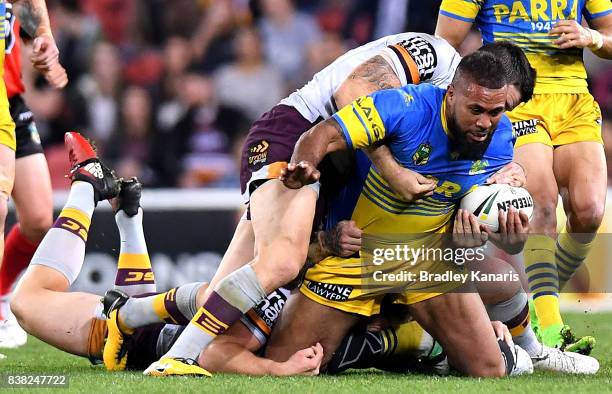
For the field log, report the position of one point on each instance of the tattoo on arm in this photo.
(330, 241)
(378, 72)
(33, 15)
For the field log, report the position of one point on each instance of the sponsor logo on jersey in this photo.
(330, 291)
(365, 105)
(479, 167)
(258, 152)
(421, 156)
(423, 54)
(535, 11)
(524, 127)
(270, 308)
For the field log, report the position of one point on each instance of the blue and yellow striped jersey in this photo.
(411, 121)
(526, 23)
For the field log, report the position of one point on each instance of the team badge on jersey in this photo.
(479, 167)
(258, 152)
(524, 127)
(421, 156)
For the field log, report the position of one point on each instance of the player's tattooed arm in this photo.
(372, 75)
(343, 240)
(45, 55)
(33, 17)
(311, 148)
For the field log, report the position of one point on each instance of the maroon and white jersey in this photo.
(415, 58)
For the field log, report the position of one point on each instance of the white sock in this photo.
(529, 342)
(134, 272)
(63, 247)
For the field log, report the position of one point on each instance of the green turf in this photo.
(39, 358)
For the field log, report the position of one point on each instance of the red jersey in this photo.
(12, 57)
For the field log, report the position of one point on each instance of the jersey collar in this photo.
(443, 116)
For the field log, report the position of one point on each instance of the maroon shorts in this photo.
(269, 146)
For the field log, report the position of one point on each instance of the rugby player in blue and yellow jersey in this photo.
(558, 133)
(439, 133)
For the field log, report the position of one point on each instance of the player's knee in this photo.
(545, 215)
(587, 215)
(487, 367)
(283, 262)
(19, 307)
(3, 209)
(36, 226)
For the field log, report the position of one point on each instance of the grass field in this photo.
(39, 358)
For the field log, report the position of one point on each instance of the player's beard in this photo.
(467, 150)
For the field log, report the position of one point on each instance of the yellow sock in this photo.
(75, 221)
(570, 255)
(543, 281)
(134, 274)
(547, 308)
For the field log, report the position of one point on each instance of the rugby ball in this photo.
(486, 201)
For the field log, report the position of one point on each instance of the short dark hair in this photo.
(516, 65)
(481, 68)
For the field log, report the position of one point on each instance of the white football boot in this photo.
(553, 359)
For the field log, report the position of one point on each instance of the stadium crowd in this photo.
(168, 92)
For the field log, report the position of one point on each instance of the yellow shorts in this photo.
(352, 286)
(556, 119)
(7, 126)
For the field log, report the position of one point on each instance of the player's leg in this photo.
(7, 177)
(126, 314)
(239, 252)
(387, 343)
(41, 302)
(282, 223)
(460, 323)
(34, 204)
(580, 170)
(281, 219)
(7, 172)
(134, 273)
(540, 265)
(32, 196)
(304, 323)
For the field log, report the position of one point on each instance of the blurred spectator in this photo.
(101, 91)
(75, 34)
(115, 17)
(129, 147)
(371, 19)
(287, 34)
(193, 148)
(249, 84)
(213, 37)
(324, 52)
